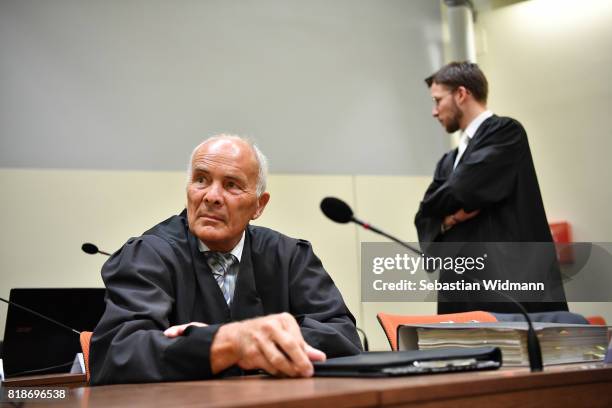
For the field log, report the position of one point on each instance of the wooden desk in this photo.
(576, 385)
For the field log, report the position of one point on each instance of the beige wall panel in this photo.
(294, 210)
(47, 214)
(548, 64)
(390, 204)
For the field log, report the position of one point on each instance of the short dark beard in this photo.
(453, 125)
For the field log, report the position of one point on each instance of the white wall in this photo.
(548, 63)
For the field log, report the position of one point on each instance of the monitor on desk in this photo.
(33, 345)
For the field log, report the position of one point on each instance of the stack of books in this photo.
(560, 343)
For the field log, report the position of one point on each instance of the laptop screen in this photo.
(33, 345)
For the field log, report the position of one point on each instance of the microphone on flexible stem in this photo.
(339, 211)
(92, 249)
(40, 315)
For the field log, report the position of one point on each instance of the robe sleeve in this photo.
(484, 178)
(128, 344)
(428, 226)
(315, 301)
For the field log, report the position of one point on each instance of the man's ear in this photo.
(462, 93)
(262, 201)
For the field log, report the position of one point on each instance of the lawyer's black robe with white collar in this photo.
(161, 279)
(495, 175)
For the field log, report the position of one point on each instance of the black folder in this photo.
(399, 363)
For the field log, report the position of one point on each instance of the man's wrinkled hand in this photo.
(272, 343)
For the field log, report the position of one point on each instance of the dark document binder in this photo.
(398, 363)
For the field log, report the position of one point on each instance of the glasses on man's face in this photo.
(437, 99)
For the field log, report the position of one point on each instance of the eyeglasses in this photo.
(437, 100)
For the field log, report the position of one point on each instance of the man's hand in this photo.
(273, 343)
(176, 331)
(458, 217)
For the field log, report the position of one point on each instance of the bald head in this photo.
(238, 142)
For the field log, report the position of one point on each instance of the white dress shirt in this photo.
(469, 133)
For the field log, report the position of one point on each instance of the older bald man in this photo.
(205, 294)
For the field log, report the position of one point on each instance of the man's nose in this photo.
(434, 112)
(214, 194)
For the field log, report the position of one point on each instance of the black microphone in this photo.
(40, 315)
(339, 211)
(92, 249)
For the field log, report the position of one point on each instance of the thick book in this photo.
(560, 343)
(400, 363)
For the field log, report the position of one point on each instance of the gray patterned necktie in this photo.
(220, 265)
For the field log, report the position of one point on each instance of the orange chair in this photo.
(391, 322)
(598, 320)
(85, 339)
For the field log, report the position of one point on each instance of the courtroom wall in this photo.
(548, 63)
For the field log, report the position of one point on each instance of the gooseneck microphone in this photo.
(92, 249)
(339, 211)
(40, 315)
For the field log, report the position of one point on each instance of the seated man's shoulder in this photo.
(266, 238)
(172, 229)
(166, 239)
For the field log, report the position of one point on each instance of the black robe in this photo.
(495, 175)
(161, 279)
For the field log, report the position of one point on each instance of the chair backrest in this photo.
(390, 322)
(598, 320)
(85, 339)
